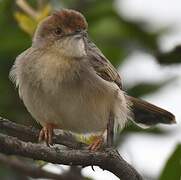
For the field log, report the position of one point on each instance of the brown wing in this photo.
(101, 64)
(144, 112)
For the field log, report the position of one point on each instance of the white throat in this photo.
(72, 47)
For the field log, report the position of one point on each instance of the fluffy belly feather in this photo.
(80, 105)
(81, 108)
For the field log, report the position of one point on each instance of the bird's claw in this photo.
(97, 144)
(46, 134)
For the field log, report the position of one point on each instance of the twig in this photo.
(27, 169)
(31, 134)
(40, 4)
(27, 8)
(108, 160)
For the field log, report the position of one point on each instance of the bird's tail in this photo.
(146, 114)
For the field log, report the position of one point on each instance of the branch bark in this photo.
(27, 169)
(31, 134)
(109, 159)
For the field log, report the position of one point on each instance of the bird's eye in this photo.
(58, 31)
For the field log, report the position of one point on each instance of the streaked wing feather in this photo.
(101, 64)
(144, 112)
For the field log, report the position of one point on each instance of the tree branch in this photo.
(109, 159)
(27, 8)
(31, 134)
(27, 169)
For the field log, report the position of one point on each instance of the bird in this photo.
(66, 83)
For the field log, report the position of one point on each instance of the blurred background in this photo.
(143, 40)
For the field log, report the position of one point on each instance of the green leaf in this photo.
(172, 57)
(147, 88)
(133, 128)
(172, 169)
(121, 136)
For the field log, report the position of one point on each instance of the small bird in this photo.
(67, 83)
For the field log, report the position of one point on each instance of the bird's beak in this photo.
(80, 34)
(83, 33)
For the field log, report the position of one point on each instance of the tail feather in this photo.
(149, 114)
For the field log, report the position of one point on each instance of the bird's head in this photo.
(65, 30)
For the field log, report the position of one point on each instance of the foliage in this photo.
(173, 166)
(28, 20)
(142, 89)
(172, 57)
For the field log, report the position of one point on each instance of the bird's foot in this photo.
(96, 144)
(46, 134)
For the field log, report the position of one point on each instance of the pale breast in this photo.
(70, 95)
(85, 107)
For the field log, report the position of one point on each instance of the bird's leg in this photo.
(46, 134)
(99, 140)
(110, 130)
(97, 143)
